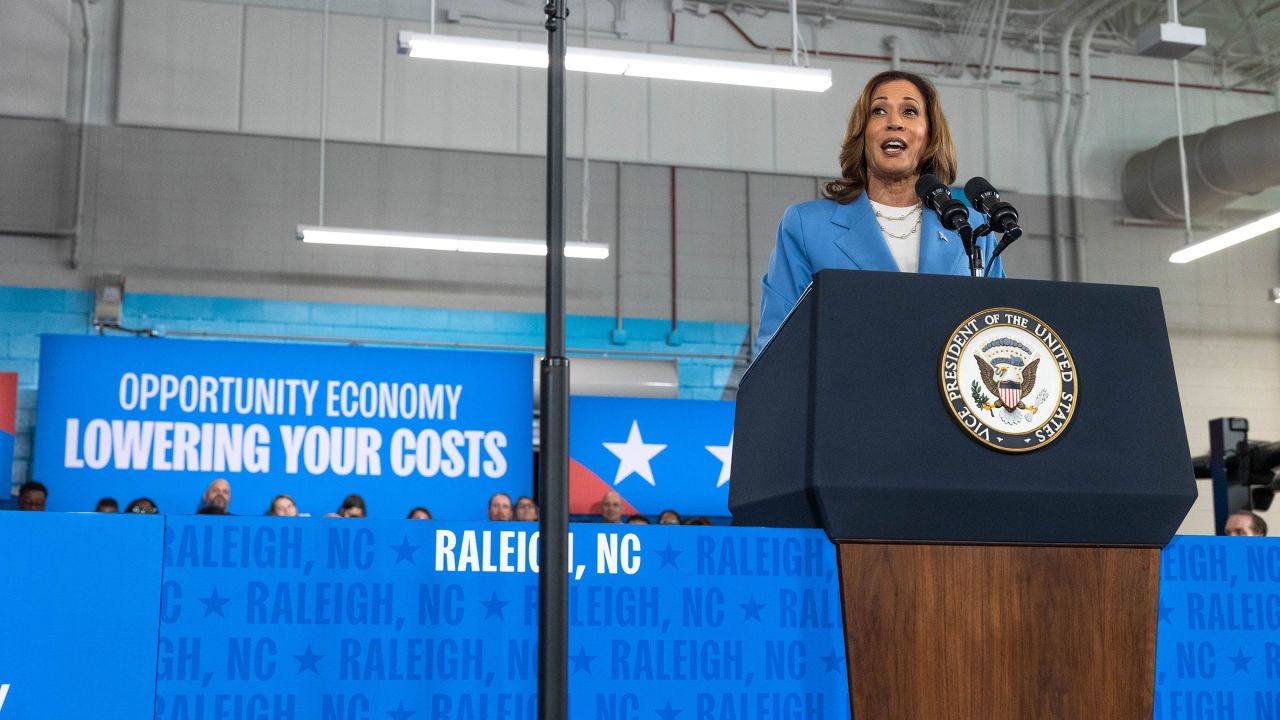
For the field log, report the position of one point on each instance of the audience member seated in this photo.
(216, 499)
(637, 520)
(611, 507)
(526, 509)
(1245, 523)
(697, 521)
(32, 496)
(500, 506)
(419, 513)
(353, 507)
(669, 517)
(282, 506)
(142, 506)
(107, 505)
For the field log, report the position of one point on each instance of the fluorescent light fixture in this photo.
(615, 62)
(1227, 239)
(453, 243)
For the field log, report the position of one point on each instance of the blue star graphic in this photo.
(308, 660)
(581, 661)
(833, 661)
(405, 551)
(214, 604)
(399, 713)
(751, 609)
(668, 712)
(1166, 612)
(493, 606)
(669, 556)
(1240, 661)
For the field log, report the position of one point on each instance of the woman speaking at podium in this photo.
(871, 219)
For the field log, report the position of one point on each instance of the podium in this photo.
(998, 534)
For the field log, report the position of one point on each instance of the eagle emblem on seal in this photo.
(1008, 370)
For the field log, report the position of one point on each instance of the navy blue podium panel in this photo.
(842, 422)
(1218, 647)
(353, 619)
(78, 595)
(160, 418)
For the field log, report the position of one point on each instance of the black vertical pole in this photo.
(553, 578)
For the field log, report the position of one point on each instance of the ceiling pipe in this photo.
(1223, 163)
(1075, 201)
(934, 62)
(1057, 149)
(74, 260)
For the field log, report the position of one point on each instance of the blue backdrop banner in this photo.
(657, 454)
(161, 418)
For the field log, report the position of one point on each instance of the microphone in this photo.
(937, 197)
(986, 199)
(1001, 215)
(954, 216)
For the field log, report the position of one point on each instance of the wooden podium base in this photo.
(989, 632)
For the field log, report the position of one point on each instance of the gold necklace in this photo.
(905, 235)
(903, 216)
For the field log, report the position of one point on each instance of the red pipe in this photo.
(1005, 68)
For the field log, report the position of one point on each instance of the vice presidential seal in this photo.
(1009, 380)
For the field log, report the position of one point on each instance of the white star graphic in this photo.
(634, 455)
(723, 453)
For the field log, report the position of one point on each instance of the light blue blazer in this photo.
(822, 234)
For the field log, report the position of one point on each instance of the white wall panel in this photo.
(699, 124)
(180, 64)
(712, 245)
(282, 75)
(1035, 119)
(435, 103)
(1003, 135)
(617, 117)
(34, 44)
(809, 127)
(282, 54)
(963, 108)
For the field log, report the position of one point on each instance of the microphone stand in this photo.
(971, 247)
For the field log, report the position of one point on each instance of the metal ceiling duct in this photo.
(1223, 163)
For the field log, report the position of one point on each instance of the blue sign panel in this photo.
(657, 454)
(207, 617)
(161, 418)
(79, 604)
(1218, 648)
(347, 619)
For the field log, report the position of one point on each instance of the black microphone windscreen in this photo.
(977, 187)
(928, 185)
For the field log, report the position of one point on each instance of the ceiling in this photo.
(1243, 35)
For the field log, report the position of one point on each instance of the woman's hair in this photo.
(938, 158)
(411, 512)
(142, 505)
(351, 501)
(271, 509)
